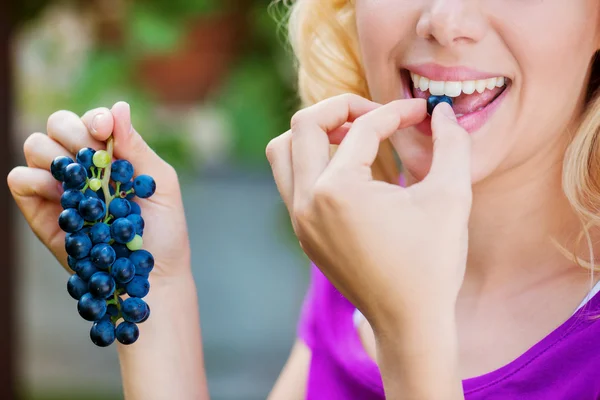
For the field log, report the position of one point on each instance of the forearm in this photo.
(419, 359)
(167, 360)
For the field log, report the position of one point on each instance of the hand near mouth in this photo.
(398, 254)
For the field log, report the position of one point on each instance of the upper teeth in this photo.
(454, 89)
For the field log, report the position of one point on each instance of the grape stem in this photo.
(106, 176)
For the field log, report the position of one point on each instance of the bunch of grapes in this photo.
(104, 242)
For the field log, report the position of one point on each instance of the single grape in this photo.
(95, 184)
(91, 309)
(57, 168)
(76, 287)
(92, 209)
(86, 269)
(85, 156)
(135, 208)
(71, 199)
(101, 159)
(100, 233)
(103, 256)
(136, 243)
(90, 193)
(126, 187)
(127, 333)
(72, 263)
(75, 176)
(123, 270)
(122, 230)
(138, 223)
(103, 332)
(144, 186)
(121, 250)
(70, 220)
(78, 245)
(101, 285)
(121, 171)
(134, 309)
(143, 262)
(138, 287)
(146, 317)
(119, 208)
(433, 101)
(112, 309)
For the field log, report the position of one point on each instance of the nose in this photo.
(450, 22)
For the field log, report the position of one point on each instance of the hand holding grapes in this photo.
(112, 229)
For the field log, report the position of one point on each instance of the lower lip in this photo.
(471, 122)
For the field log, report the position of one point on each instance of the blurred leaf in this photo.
(151, 32)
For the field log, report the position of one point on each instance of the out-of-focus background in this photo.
(210, 82)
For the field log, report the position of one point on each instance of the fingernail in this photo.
(96, 122)
(446, 111)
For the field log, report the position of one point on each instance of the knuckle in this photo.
(274, 146)
(60, 117)
(299, 118)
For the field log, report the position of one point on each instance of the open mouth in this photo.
(471, 98)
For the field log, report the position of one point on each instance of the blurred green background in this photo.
(209, 82)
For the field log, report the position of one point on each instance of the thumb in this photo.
(451, 148)
(129, 144)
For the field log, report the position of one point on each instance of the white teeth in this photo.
(455, 88)
(436, 88)
(452, 89)
(468, 87)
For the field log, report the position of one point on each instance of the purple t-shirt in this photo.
(564, 365)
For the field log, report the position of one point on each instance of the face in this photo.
(529, 60)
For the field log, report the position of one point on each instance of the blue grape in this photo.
(143, 261)
(72, 263)
(138, 223)
(70, 220)
(57, 168)
(433, 101)
(71, 199)
(112, 309)
(122, 171)
(76, 287)
(119, 208)
(134, 309)
(123, 271)
(144, 186)
(86, 269)
(92, 209)
(125, 187)
(103, 256)
(75, 176)
(127, 333)
(78, 245)
(121, 289)
(138, 287)
(135, 208)
(100, 233)
(90, 193)
(91, 309)
(121, 250)
(146, 317)
(103, 332)
(122, 230)
(101, 285)
(84, 157)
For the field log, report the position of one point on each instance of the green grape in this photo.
(95, 184)
(136, 243)
(101, 159)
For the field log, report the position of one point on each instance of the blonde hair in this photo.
(323, 36)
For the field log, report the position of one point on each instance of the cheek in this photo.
(385, 28)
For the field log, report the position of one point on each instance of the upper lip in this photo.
(438, 72)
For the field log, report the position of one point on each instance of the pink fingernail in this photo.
(96, 122)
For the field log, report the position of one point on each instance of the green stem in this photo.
(93, 169)
(87, 184)
(108, 218)
(106, 176)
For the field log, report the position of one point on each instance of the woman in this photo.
(468, 279)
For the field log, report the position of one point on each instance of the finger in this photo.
(69, 130)
(310, 143)
(361, 144)
(99, 123)
(37, 195)
(451, 149)
(40, 151)
(337, 135)
(130, 145)
(279, 154)
(34, 182)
